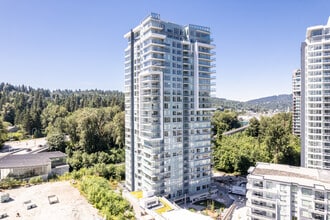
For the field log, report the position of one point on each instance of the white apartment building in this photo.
(296, 102)
(283, 192)
(316, 96)
(168, 84)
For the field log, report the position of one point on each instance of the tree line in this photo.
(88, 125)
(29, 108)
(24, 106)
(269, 139)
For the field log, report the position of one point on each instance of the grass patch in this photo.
(207, 203)
(166, 207)
(137, 194)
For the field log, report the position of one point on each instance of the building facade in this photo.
(23, 166)
(316, 115)
(168, 84)
(296, 102)
(277, 191)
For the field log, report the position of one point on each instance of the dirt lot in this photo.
(71, 205)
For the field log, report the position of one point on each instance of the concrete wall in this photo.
(25, 172)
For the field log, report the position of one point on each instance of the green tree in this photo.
(56, 141)
(270, 141)
(224, 121)
(291, 153)
(91, 129)
(243, 164)
(117, 129)
(51, 114)
(8, 113)
(253, 129)
(3, 133)
(76, 160)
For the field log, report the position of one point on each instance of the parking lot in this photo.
(22, 147)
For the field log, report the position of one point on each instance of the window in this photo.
(316, 32)
(306, 192)
(269, 185)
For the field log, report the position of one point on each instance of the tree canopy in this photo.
(2, 133)
(224, 121)
(82, 122)
(34, 110)
(266, 140)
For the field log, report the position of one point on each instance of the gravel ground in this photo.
(71, 205)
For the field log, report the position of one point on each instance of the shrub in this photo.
(10, 182)
(36, 180)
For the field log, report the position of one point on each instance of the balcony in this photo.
(203, 56)
(185, 54)
(257, 194)
(205, 64)
(263, 205)
(204, 50)
(263, 214)
(319, 196)
(157, 56)
(319, 207)
(318, 216)
(259, 185)
(155, 34)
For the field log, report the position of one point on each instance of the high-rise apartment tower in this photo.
(316, 96)
(168, 80)
(296, 102)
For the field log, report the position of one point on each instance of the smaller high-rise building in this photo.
(315, 70)
(296, 102)
(277, 191)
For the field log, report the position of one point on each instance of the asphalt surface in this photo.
(22, 147)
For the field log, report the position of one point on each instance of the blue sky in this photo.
(79, 44)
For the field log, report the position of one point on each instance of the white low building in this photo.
(277, 191)
(29, 165)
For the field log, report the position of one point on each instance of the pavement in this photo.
(223, 195)
(23, 146)
(240, 213)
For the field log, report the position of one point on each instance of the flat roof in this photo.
(184, 214)
(28, 160)
(292, 174)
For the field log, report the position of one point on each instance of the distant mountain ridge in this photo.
(275, 98)
(281, 102)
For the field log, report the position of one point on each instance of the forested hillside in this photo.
(279, 103)
(24, 106)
